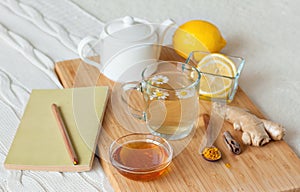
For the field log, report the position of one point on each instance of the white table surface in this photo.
(34, 34)
(265, 33)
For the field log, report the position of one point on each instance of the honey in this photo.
(141, 160)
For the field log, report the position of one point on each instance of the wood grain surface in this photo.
(273, 167)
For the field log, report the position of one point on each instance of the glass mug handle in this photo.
(82, 46)
(133, 86)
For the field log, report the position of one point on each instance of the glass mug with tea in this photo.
(170, 98)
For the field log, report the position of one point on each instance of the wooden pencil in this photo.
(64, 133)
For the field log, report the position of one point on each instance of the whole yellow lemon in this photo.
(197, 35)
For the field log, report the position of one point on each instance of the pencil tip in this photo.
(75, 161)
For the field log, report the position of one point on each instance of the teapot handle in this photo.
(81, 47)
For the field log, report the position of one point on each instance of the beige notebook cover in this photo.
(38, 143)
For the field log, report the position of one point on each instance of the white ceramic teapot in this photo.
(127, 45)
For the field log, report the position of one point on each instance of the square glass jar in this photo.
(219, 74)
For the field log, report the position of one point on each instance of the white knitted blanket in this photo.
(33, 35)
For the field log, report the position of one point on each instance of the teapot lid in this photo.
(129, 29)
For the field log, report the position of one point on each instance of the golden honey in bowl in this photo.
(142, 159)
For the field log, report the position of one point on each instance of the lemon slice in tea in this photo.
(217, 71)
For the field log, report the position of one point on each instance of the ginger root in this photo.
(256, 131)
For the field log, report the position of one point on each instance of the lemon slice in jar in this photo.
(215, 68)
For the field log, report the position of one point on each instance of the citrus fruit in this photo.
(197, 35)
(217, 73)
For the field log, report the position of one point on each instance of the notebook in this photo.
(38, 143)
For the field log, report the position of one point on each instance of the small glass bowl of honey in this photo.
(141, 156)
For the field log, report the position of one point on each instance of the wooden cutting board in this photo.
(273, 167)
